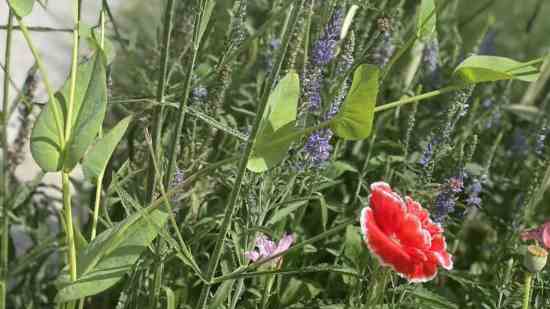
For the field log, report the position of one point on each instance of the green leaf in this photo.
(354, 121)
(205, 18)
(112, 254)
(221, 294)
(277, 129)
(170, 298)
(282, 213)
(96, 159)
(426, 20)
(431, 300)
(478, 68)
(21, 7)
(88, 113)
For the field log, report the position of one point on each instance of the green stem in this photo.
(4, 256)
(231, 204)
(45, 80)
(158, 118)
(267, 290)
(417, 98)
(527, 290)
(99, 183)
(187, 88)
(74, 67)
(69, 229)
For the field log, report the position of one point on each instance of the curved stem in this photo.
(527, 290)
(45, 80)
(4, 256)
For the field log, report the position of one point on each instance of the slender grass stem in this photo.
(46, 81)
(527, 290)
(4, 255)
(174, 145)
(99, 183)
(158, 117)
(288, 27)
(38, 29)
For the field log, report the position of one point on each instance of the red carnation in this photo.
(402, 235)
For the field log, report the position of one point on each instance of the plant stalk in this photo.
(74, 67)
(4, 256)
(527, 290)
(69, 229)
(417, 98)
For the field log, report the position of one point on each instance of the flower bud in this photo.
(535, 258)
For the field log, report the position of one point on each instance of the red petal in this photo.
(438, 243)
(411, 233)
(387, 206)
(444, 259)
(415, 208)
(423, 272)
(385, 249)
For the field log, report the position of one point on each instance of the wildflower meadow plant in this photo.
(239, 154)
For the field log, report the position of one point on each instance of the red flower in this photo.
(540, 234)
(402, 235)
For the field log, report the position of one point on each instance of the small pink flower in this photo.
(540, 234)
(268, 248)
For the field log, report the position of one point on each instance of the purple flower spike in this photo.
(267, 248)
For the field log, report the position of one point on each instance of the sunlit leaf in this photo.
(21, 7)
(277, 130)
(426, 19)
(108, 258)
(480, 68)
(355, 118)
(98, 156)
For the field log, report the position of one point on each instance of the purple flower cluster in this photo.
(430, 63)
(318, 147)
(428, 153)
(323, 52)
(384, 51)
(199, 94)
(541, 140)
(324, 49)
(445, 201)
(474, 190)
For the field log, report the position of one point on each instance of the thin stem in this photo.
(187, 89)
(45, 80)
(4, 256)
(158, 118)
(99, 183)
(231, 205)
(527, 290)
(74, 67)
(417, 98)
(37, 29)
(69, 229)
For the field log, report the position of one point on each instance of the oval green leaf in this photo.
(277, 129)
(112, 254)
(480, 68)
(355, 118)
(426, 20)
(96, 159)
(88, 112)
(21, 8)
